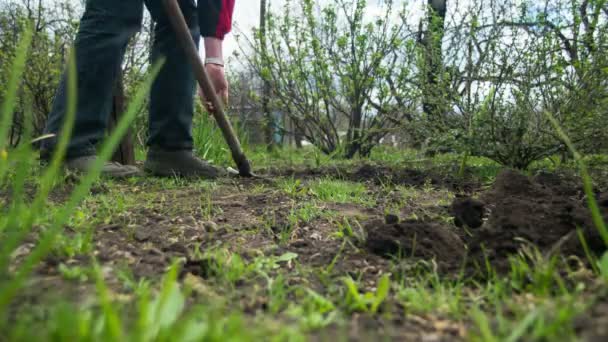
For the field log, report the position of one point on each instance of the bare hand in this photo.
(218, 79)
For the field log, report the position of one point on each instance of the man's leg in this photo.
(105, 29)
(172, 94)
(172, 100)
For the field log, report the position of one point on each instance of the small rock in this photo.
(110, 227)
(142, 234)
(176, 248)
(316, 236)
(153, 251)
(190, 221)
(391, 219)
(300, 244)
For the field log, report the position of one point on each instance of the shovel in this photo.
(176, 17)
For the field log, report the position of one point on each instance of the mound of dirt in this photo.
(542, 211)
(517, 210)
(413, 238)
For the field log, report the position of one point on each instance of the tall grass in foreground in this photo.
(19, 216)
(158, 316)
(209, 143)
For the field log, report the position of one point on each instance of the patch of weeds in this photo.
(224, 266)
(299, 216)
(265, 264)
(74, 273)
(548, 320)
(349, 229)
(283, 227)
(206, 206)
(110, 207)
(71, 245)
(292, 187)
(408, 193)
(394, 156)
(356, 301)
(269, 222)
(258, 189)
(338, 191)
(305, 213)
(429, 293)
(325, 273)
(130, 283)
(313, 311)
(278, 290)
(532, 272)
(230, 268)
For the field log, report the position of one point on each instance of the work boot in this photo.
(180, 163)
(109, 169)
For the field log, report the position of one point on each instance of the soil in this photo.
(492, 224)
(417, 239)
(517, 211)
(381, 175)
(593, 325)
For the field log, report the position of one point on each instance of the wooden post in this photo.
(125, 153)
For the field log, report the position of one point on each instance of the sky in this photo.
(247, 16)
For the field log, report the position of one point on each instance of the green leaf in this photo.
(287, 257)
(603, 266)
(383, 288)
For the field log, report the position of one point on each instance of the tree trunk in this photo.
(269, 127)
(353, 144)
(125, 153)
(433, 64)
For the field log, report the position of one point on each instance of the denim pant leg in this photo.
(172, 95)
(105, 29)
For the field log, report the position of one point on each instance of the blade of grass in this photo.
(520, 330)
(6, 112)
(111, 318)
(13, 84)
(24, 157)
(592, 260)
(17, 233)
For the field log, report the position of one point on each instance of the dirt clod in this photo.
(391, 219)
(413, 238)
(142, 234)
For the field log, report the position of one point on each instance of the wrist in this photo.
(215, 61)
(214, 48)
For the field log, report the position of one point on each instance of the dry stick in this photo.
(176, 17)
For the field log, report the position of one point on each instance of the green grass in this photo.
(337, 191)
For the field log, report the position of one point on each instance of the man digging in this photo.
(105, 30)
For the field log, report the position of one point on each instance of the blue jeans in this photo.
(101, 42)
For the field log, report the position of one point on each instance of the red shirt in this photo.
(215, 17)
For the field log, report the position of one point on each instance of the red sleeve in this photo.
(215, 17)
